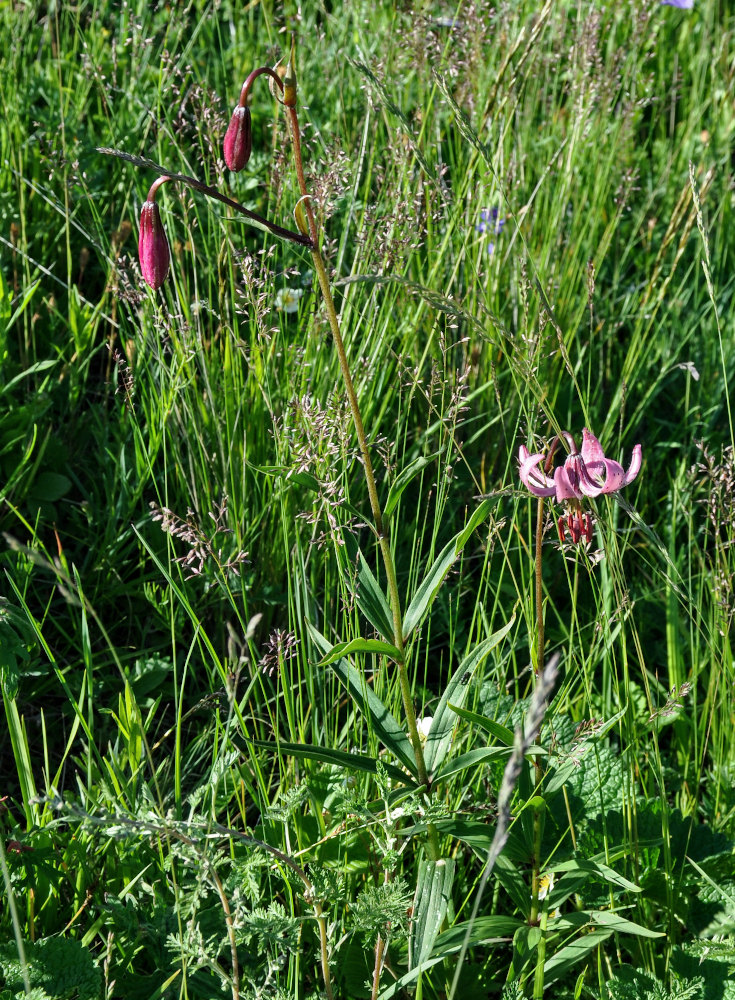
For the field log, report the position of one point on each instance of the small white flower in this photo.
(287, 299)
(546, 884)
(424, 725)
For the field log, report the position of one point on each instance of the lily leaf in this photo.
(410, 472)
(472, 758)
(604, 918)
(376, 646)
(481, 930)
(429, 586)
(572, 954)
(340, 758)
(500, 732)
(440, 734)
(372, 601)
(386, 727)
(596, 869)
(433, 892)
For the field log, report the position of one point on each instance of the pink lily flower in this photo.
(586, 473)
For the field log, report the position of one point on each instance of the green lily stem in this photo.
(539, 586)
(538, 980)
(324, 950)
(533, 920)
(383, 540)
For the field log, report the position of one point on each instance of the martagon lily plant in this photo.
(584, 474)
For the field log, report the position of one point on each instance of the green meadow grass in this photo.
(192, 804)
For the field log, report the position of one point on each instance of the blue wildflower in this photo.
(491, 224)
(681, 4)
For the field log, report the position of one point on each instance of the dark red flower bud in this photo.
(238, 139)
(153, 246)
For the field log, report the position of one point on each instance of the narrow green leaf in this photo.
(27, 296)
(340, 758)
(375, 646)
(429, 586)
(399, 985)
(431, 899)
(401, 482)
(386, 727)
(728, 898)
(442, 725)
(34, 369)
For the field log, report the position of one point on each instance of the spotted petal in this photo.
(604, 475)
(565, 481)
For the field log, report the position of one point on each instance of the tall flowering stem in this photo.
(288, 87)
(584, 474)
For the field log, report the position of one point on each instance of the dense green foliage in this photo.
(528, 221)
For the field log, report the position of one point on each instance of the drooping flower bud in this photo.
(153, 245)
(289, 80)
(238, 139)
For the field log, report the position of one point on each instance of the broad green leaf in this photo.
(604, 918)
(428, 589)
(479, 837)
(386, 727)
(572, 954)
(429, 586)
(433, 892)
(340, 758)
(375, 646)
(402, 481)
(372, 601)
(50, 486)
(410, 977)
(599, 925)
(305, 479)
(596, 869)
(442, 725)
(479, 755)
(501, 733)
(481, 930)
(513, 880)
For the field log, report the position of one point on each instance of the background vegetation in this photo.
(182, 498)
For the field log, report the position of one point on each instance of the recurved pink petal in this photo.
(564, 482)
(607, 478)
(635, 465)
(532, 476)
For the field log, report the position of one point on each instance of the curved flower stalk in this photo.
(584, 474)
(155, 258)
(287, 88)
